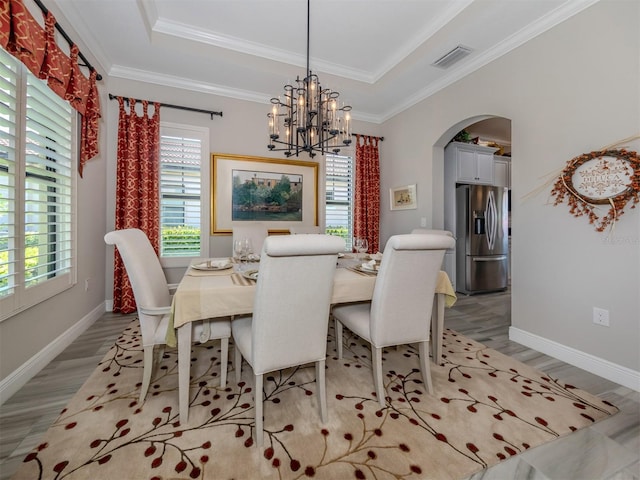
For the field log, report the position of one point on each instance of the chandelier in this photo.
(308, 118)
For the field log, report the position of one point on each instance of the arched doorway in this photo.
(486, 130)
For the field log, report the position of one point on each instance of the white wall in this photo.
(574, 89)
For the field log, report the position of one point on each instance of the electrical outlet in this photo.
(423, 222)
(601, 316)
(86, 285)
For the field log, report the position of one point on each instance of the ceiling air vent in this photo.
(452, 57)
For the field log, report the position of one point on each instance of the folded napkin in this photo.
(376, 256)
(214, 263)
(370, 265)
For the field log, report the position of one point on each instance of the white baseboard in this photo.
(19, 377)
(598, 366)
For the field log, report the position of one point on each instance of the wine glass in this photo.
(238, 246)
(364, 246)
(247, 248)
(361, 245)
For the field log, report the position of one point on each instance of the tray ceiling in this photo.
(377, 53)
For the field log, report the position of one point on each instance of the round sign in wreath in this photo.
(607, 177)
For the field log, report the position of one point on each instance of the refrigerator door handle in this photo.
(491, 214)
(490, 259)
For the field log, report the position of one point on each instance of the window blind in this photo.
(180, 195)
(339, 178)
(8, 246)
(37, 189)
(47, 187)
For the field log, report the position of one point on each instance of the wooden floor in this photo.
(608, 450)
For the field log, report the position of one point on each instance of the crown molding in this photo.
(188, 32)
(186, 84)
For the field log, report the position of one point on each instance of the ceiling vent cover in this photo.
(452, 57)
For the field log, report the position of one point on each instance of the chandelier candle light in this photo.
(309, 117)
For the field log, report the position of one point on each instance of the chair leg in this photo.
(338, 337)
(159, 353)
(322, 391)
(376, 362)
(224, 352)
(258, 402)
(425, 367)
(237, 362)
(147, 371)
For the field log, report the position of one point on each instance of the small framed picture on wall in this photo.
(403, 198)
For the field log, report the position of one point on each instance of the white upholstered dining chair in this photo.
(304, 229)
(153, 300)
(290, 314)
(400, 309)
(257, 232)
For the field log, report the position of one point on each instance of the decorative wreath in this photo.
(606, 177)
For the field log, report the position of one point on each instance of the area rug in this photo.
(487, 407)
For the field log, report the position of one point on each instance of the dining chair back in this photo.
(304, 229)
(291, 311)
(257, 232)
(153, 300)
(430, 231)
(400, 309)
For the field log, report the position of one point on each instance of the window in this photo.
(183, 196)
(37, 189)
(339, 178)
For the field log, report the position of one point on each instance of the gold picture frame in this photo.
(403, 198)
(280, 193)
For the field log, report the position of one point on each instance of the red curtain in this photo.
(56, 67)
(5, 23)
(89, 124)
(27, 39)
(366, 210)
(37, 49)
(137, 187)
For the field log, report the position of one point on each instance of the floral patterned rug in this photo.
(487, 407)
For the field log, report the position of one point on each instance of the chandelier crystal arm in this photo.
(310, 117)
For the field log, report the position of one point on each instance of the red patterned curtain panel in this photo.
(366, 209)
(137, 187)
(5, 23)
(36, 47)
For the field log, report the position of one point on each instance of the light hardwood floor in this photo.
(606, 451)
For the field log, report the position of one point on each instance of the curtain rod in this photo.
(179, 107)
(363, 135)
(69, 41)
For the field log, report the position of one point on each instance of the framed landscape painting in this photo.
(280, 193)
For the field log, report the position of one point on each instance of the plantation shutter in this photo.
(339, 173)
(180, 195)
(8, 247)
(47, 184)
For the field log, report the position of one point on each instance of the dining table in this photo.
(223, 293)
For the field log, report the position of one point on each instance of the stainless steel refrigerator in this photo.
(482, 239)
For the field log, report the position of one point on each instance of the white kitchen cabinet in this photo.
(474, 163)
(502, 172)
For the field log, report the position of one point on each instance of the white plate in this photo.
(250, 274)
(209, 267)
